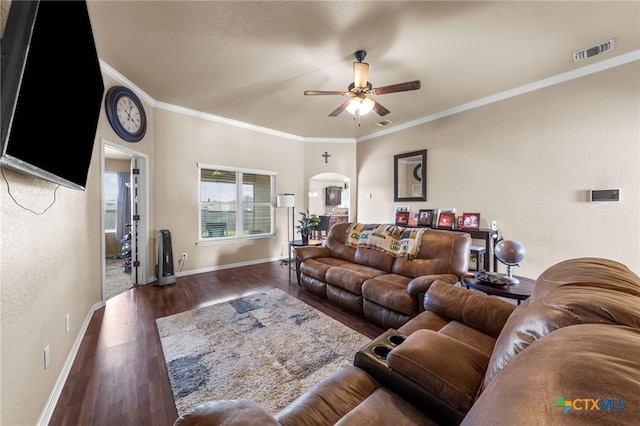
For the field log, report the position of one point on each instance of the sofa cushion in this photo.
(445, 366)
(587, 271)
(479, 311)
(330, 400)
(384, 407)
(351, 276)
(441, 252)
(426, 320)
(390, 291)
(373, 258)
(561, 307)
(591, 361)
(317, 268)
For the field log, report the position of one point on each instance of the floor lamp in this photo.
(287, 200)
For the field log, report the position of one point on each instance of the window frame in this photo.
(240, 204)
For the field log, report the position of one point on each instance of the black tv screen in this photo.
(51, 91)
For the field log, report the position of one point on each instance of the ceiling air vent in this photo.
(383, 123)
(593, 50)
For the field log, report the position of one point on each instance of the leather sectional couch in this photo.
(567, 355)
(387, 289)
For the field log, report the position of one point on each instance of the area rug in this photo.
(268, 348)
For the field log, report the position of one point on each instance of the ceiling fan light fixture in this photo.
(366, 106)
(354, 106)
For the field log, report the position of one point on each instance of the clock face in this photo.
(125, 113)
(129, 114)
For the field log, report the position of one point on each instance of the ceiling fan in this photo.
(360, 89)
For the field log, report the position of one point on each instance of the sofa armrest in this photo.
(227, 413)
(418, 286)
(311, 252)
(477, 310)
(445, 366)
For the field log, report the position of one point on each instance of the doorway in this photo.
(124, 219)
(329, 196)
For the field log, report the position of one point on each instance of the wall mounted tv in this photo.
(51, 91)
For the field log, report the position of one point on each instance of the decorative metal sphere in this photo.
(509, 252)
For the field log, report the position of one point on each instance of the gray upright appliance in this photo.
(164, 268)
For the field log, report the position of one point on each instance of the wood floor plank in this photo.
(119, 376)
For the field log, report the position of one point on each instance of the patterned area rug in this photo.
(268, 348)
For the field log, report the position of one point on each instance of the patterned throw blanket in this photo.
(394, 240)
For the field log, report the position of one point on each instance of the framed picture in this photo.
(446, 219)
(459, 222)
(425, 217)
(471, 220)
(402, 218)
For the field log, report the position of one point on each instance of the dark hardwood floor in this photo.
(119, 376)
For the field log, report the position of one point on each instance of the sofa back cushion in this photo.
(373, 258)
(335, 242)
(476, 310)
(558, 378)
(577, 291)
(441, 252)
(587, 271)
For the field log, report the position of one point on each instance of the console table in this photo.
(490, 236)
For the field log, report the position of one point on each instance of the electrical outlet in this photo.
(67, 323)
(494, 225)
(47, 357)
(184, 256)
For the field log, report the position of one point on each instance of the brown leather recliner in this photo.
(568, 355)
(387, 290)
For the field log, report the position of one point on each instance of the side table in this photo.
(299, 243)
(518, 292)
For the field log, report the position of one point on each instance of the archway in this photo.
(337, 204)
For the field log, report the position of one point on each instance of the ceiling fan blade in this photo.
(341, 108)
(360, 74)
(325, 92)
(393, 88)
(380, 110)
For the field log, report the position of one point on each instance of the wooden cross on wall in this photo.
(326, 156)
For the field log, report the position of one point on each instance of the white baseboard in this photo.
(45, 417)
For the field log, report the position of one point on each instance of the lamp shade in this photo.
(285, 200)
(366, 106)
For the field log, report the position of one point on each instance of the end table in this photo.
(518, 292)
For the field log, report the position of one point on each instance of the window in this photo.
(235, 204)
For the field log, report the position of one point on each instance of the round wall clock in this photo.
(125, 113)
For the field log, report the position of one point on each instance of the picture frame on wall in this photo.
(425, 217)
(471, 220)
(446, 219)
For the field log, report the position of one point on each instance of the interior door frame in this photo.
(143, 210)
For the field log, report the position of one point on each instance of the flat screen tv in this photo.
(51, 91)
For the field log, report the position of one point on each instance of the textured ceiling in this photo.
(252, 61)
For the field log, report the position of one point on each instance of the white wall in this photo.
(528, 163)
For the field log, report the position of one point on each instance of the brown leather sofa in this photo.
(387, 290)
(570, 354)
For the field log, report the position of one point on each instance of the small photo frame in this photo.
(402, 218)
(446, 219)
(459, 222)
(425, 217)
(471, 220)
